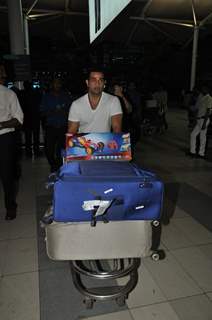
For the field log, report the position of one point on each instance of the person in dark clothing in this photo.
(161, 97)
(127, 119)
(55, 107)
(134, 97)
(192, 107)
(126, 107)
(31, 108)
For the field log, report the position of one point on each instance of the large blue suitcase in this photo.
(106, 190)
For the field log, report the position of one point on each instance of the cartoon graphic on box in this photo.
(95, 146)
(89, 146)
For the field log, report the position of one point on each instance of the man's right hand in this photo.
(73, 127)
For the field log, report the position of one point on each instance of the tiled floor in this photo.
(177, 288)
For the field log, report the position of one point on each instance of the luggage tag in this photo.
(98, 208)
(99, 205)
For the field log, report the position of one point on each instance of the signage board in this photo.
(102, 13)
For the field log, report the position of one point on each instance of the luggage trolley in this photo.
(108, 251)
(101, 240)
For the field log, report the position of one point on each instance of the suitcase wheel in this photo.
(155, 223)
(155, 256)
(158, 255)
(121, 301)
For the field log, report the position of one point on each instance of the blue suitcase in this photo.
(106, 190)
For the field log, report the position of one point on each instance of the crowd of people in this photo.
(117, 107)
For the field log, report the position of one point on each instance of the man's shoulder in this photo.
(7, 91)
(109, 97)
(80, 100)
(207, 97)
(210, 100)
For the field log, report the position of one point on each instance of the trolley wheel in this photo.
(158, 255)
(155, 223)
(121, 301)
(155, 256)
(162, 254)
(88, 303)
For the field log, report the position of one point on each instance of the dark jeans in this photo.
(54, 143)
(163, 120)
(7, 169)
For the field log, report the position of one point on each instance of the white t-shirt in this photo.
(95, 120)
(9, 108)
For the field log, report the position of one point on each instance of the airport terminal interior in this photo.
(179, 287)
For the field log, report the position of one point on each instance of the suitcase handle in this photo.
(114, 202)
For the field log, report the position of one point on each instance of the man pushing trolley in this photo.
(103, 209)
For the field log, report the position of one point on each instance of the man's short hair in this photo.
(95, 69)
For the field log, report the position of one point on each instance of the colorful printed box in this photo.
(98, 146)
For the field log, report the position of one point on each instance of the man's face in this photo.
(96, 83)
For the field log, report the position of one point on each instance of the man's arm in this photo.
(127, 104)
(73, 127)
(116, 122)
(119, 93)
(206, 117)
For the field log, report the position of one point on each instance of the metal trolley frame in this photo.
(94, 269)
(103, 267)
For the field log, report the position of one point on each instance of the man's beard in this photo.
(96, 91)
